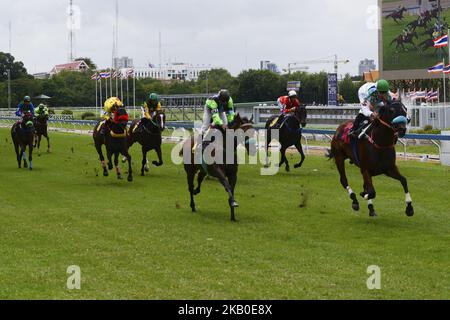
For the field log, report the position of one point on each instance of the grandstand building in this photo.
(172, 71)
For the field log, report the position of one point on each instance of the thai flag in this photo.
(130, 72)
(441, 42)
(437, 68)
(446, 69)
(116, 74)
(94, 76)
(105, 75)
(431, 96)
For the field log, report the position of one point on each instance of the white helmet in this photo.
(293, 93)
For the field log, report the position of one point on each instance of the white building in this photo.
(267, 65)
(123, 63)
(173, 71)
(366, 65)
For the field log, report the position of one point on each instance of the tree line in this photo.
(73, 89)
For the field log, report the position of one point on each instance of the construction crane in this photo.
(334, 61)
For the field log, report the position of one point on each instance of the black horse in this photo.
(225, 172)
(115, 137)
(149, 136)
(41, 127)
(374, 156)
(22, 134)
(401, 41)
(397, 15)
(290, 134)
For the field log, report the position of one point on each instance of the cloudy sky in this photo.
(234, 34)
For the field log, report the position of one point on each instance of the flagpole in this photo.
(128, 92)
(121, 87)
(117, 83)
(445, 86)
(110, 83)
(134, 92)
(96, 91)
(101, 98)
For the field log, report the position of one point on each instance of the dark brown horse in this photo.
(374, 156)
(41, 126)
(397, 15)
(115, 137)
(225, 171)
(149, 136)
(401, 41)
(22, 134)
(290, 134)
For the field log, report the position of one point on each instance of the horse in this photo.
(116, 141)
(40, 124)
(150, 138)
(374, 156)
(225, 172)
(290, 134)
(427, 44)
(420, 22)
(401, 41)
(22, 134)
(397, 15)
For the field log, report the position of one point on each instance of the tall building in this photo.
(267, 65)
(123, 63)
(172, 71)
(366, 65)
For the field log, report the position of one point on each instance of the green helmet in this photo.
(27, 99)
(382, 86)
(153, 97)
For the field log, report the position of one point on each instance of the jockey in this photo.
(405, 33)
(149, 109)
(219, 110)
(287, 104)
(42, 111)
(372, 96)
(24, 107)
(151, 106)
(111, 105)
(110, 108)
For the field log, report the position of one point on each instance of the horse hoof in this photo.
(110, 166)
(194, 210)
(297, 166)
(130, 178)
(119, 177)
(288, 169)
(157, 164)
(234, 204)
(355, 207)
(147, 169)
(142, 174)
(31, 169)
(196, 192)
(410, 210)
(105, 173)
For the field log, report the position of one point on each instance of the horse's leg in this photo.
(98, 147)
(232, 179)
(201, 176)
(284, 159)
(228, 188)
(39, 137)
(23, 150)
(340, 164)
(128, 156)
(369, 192)
(30, 153)
(302, 154)
(159, 153)
(144, 161)
(48, 143)
(18, 154)
(190, 171)
(116, 164)
(268, 139)
(395, 174)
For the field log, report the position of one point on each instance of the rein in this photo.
(376, 145)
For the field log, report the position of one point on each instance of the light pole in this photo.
(8, 74)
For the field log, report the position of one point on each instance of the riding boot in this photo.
(360, 122)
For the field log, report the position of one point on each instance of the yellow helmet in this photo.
(113, 102)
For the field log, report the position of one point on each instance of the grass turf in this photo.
(297, 237)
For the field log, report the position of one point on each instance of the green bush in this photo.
(428, 128)
(67, 112)
(51, 111)
(90, 118)
(87, 115)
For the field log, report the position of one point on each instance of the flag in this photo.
(432, 95)
(130, 73)
(441, 41)
(116, 74)
(151, 65)
(446, 69)
(105, 75)
(94, 76)
(437, 68)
